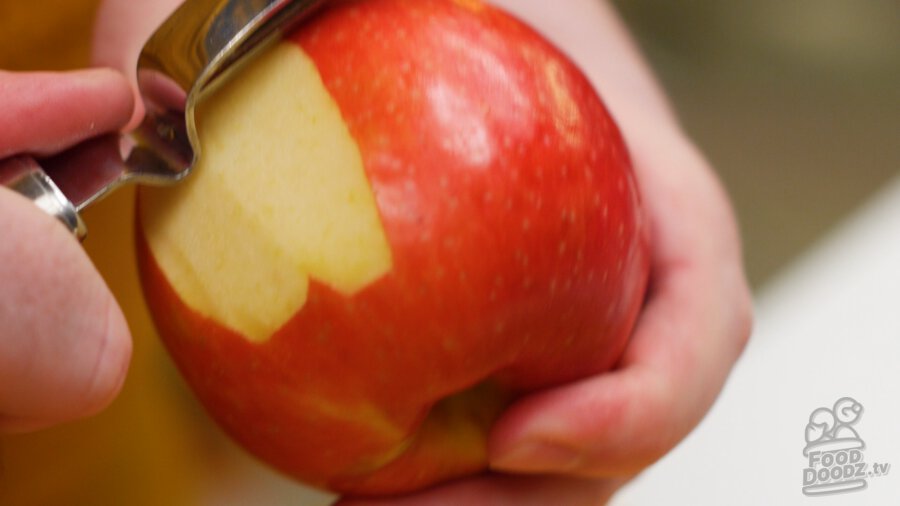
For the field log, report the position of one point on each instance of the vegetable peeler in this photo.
(199, 46)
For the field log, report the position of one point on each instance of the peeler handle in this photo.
(22, 174)
(66, 183)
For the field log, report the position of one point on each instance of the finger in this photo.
(64, 343)
(617, 424)
(120, 31)
(692, 329)
(45, 112)
(505, 490)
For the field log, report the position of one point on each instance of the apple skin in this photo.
(520, 255)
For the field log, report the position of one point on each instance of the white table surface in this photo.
(829, 327)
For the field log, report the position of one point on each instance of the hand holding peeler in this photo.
(203, 43)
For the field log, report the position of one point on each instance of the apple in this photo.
(407, 214)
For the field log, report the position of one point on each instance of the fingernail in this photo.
(537, 456)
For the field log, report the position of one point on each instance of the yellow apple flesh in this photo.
(279, 195)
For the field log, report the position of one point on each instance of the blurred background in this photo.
(795, 102)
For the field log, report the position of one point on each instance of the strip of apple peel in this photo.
(279, 195)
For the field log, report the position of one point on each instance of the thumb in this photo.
(64, 343)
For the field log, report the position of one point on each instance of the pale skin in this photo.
(64, 343)
(575, 444)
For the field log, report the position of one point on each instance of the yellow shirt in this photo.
(49, 34)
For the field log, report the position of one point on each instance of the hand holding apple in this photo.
(697, 312)
(693, 326)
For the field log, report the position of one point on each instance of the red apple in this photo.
(407, 214)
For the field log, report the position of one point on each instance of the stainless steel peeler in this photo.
(202, 43)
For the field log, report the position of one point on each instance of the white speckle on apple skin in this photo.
(611, 310)
(521, 258)
(569, 215)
